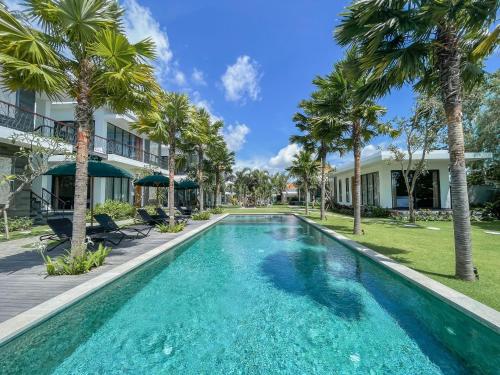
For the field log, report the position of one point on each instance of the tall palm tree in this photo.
(439, 46)
(339, 101)
(80, 51)
(221, 161)
(279, 182)
(320, 133)
(241, 184)
(198, 136)
(165, 125)
(305, 168)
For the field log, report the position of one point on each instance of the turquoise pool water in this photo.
(257, 295)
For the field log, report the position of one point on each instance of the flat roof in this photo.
(432, 155)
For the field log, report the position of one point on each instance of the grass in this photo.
(428, 251)
(37, 230)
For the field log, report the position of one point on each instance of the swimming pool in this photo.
(257, 294)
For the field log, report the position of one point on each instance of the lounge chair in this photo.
(63, 232)
(178, 218)
(109, 225)
(184, 211)
(148, 219)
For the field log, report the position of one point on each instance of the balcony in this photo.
(16, 118)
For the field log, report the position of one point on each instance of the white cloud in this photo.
(235, 136)
(241, 80)
(372, 149)
(284, 157)
(140, 24)
(198, 77)
(199, 102)
(179, 78)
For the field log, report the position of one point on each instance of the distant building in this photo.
(382, 183)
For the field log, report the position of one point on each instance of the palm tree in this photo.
(241, 184)
(165, 126)
(198, 136)
(81, 52)
(279, 182)
(439, 46)
(221, 161)
(321, 133)
(339, 101)
(305, 168)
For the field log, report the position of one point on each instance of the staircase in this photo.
(41, 207)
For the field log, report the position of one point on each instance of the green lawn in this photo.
(425, 250)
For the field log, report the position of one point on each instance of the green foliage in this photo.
(17, 223)
(204, 215)
(116, 209)
(151, 209)
(423, 215)
(165, 228)
(475, 178)
(493, 208)
(217, 210)
(67, 265)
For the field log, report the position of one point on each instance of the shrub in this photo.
(116, 209)
(17, 223)
(423, 215)
(366, 211)
(67, 265)
(204, 215)
(217, 210)
(151, 209)
(165, 228)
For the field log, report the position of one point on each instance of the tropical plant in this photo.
(439, 46)
(305, 168)
(339, 101)
(35, 150)
(165, 125)
(164, 228)
(217, 210)
(241, 181)
(81, 51)
(221, 162)
(118, 210)
(201, 133)
(67, 264)
(203, 215)
(279, 182)
(420, 133)
(321, 132)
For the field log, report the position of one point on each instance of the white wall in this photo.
(384, 169)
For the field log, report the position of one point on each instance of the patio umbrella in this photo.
(95, 169)
(187, 184)
(155, 180)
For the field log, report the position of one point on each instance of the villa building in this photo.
(112, 140)
(382, 182)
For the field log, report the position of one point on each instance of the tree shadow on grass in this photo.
(447, 276)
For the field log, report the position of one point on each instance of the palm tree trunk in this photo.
(307, 198)
(356, 189)
(171, 182)
(451, 88)
(323, 186)
(200, 178)
(217, 189)
(83, 116)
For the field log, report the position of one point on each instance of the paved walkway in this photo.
(25, 284)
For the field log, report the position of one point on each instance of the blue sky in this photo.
(249, 63)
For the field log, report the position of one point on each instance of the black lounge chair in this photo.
(148, 219)
(178, 218)
(109, 225)
(63, 232)
(184, 211)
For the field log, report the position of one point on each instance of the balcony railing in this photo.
(14, 117)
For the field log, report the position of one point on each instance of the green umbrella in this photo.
(187, 184)
(94, 169)
(154, 180)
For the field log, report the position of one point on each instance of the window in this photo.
(335, 189)
(370, 194)
(124, 143)
(118, 189)
(340, 190)
(425, 195)
(347, 195)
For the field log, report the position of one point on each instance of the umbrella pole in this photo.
(91, 201)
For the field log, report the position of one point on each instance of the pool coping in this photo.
(469, 306)
(22, 322)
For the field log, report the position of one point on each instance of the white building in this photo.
(112, 140)
(382, 183)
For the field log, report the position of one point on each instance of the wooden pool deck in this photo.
(24, 283)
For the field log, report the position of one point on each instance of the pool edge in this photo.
(26, 320)
(469, 306)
